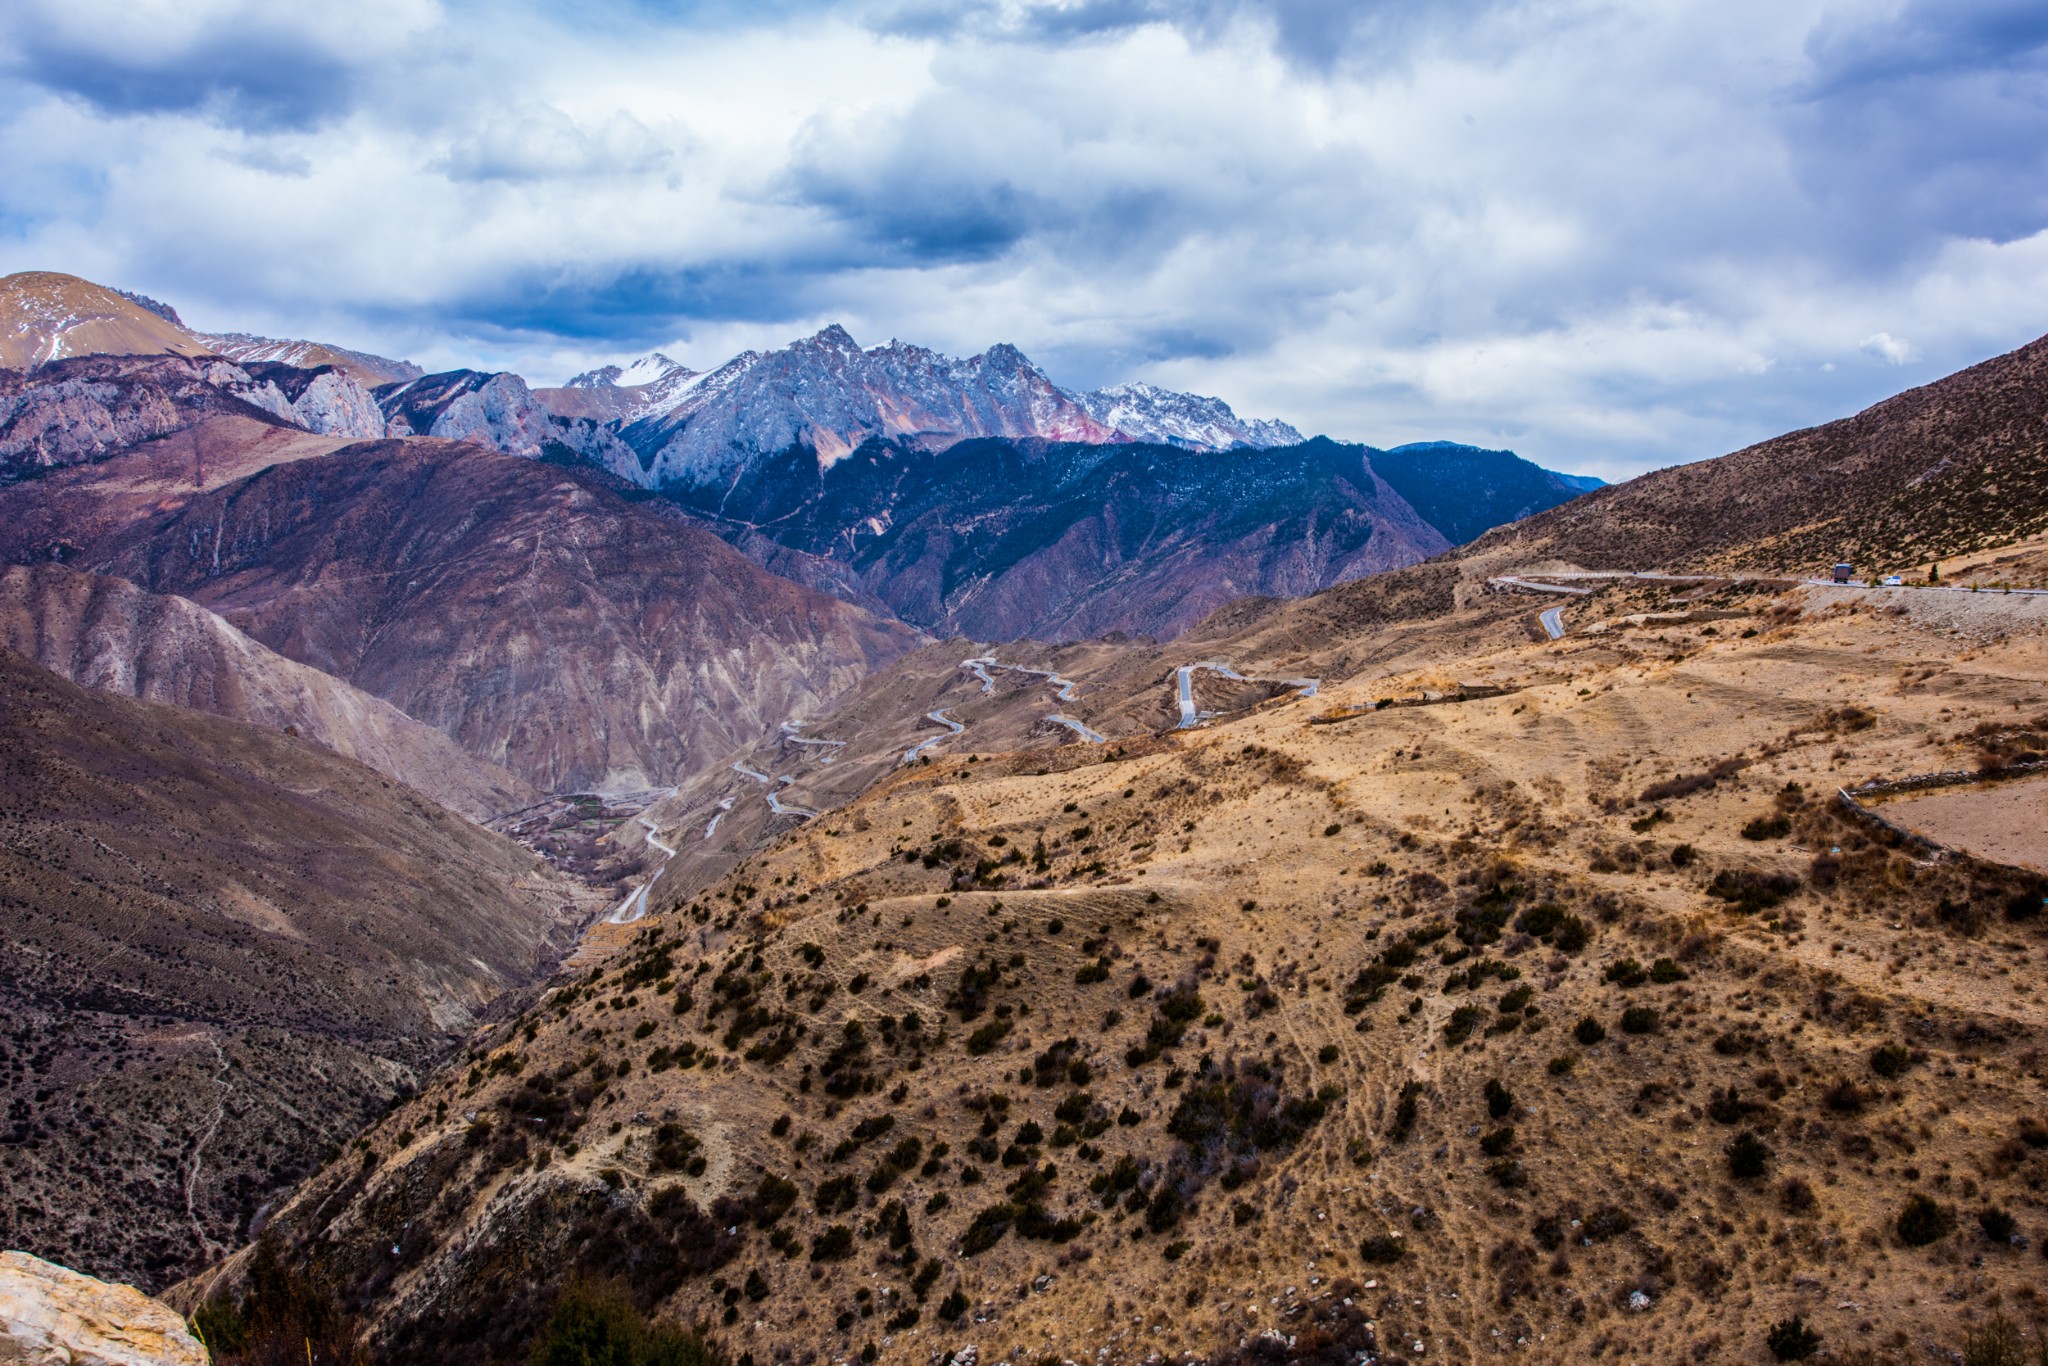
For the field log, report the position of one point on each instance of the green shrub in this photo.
(1639, 1020)
(1791, 1340)
(1500, 1102)
(595, 1323)
(1998, 1225)
(1923, 1221)
(1891, 1060)
(835, 1244)
(984, 1039)
(1463, 1020)
(1589, 1031)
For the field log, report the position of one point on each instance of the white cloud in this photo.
(1610, 237)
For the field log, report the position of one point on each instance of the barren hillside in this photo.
(1558, 1005)
(226, 948)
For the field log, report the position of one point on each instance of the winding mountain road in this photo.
(1184, 681)
(953, 728)
(1093, 737)
(1553, 621)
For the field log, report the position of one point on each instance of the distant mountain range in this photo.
(827, 394)
(577, 625)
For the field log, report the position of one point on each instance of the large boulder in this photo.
(51, 1316)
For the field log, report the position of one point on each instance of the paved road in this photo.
(1510, 581)
(712, 828)
(1553, 621)
(1091, 736)
(1062, 686)
(953, 728)
(654, 835)
(1184, 681)
(790, 733)
(775, 804)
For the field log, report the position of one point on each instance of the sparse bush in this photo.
(1459, 1027)
(1998, 1226)
(1748, 1156)
(1772, 827)
(1749, 892)
(595, 1323)
(1997, 1343)
(1923, 1221)
(1891, 1060)
(835, 1244)
(1792, 1340)
(1382, 1249)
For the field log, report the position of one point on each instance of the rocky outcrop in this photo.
(499, 412)
(327, 400)
(51, 1316)
(84, 410)
(106, 633)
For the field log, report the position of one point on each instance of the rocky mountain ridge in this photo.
(829, 394)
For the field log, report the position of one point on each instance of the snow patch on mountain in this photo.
(1146, 412)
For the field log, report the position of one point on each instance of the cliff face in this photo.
(106, 633)
(541, 618)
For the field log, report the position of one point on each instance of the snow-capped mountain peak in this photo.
(825, 392)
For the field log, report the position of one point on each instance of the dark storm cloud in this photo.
(635, 308)
(253, 80)
(1928, 123)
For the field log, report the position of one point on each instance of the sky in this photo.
(1611, 235)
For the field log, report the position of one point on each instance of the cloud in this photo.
(1609, 236)
(540, 142)
(241, 63)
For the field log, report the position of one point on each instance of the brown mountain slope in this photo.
(224, 948)
(539, 617)
(1949, 468)
(107, 633)
(46, 316)
(1290, 1042)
